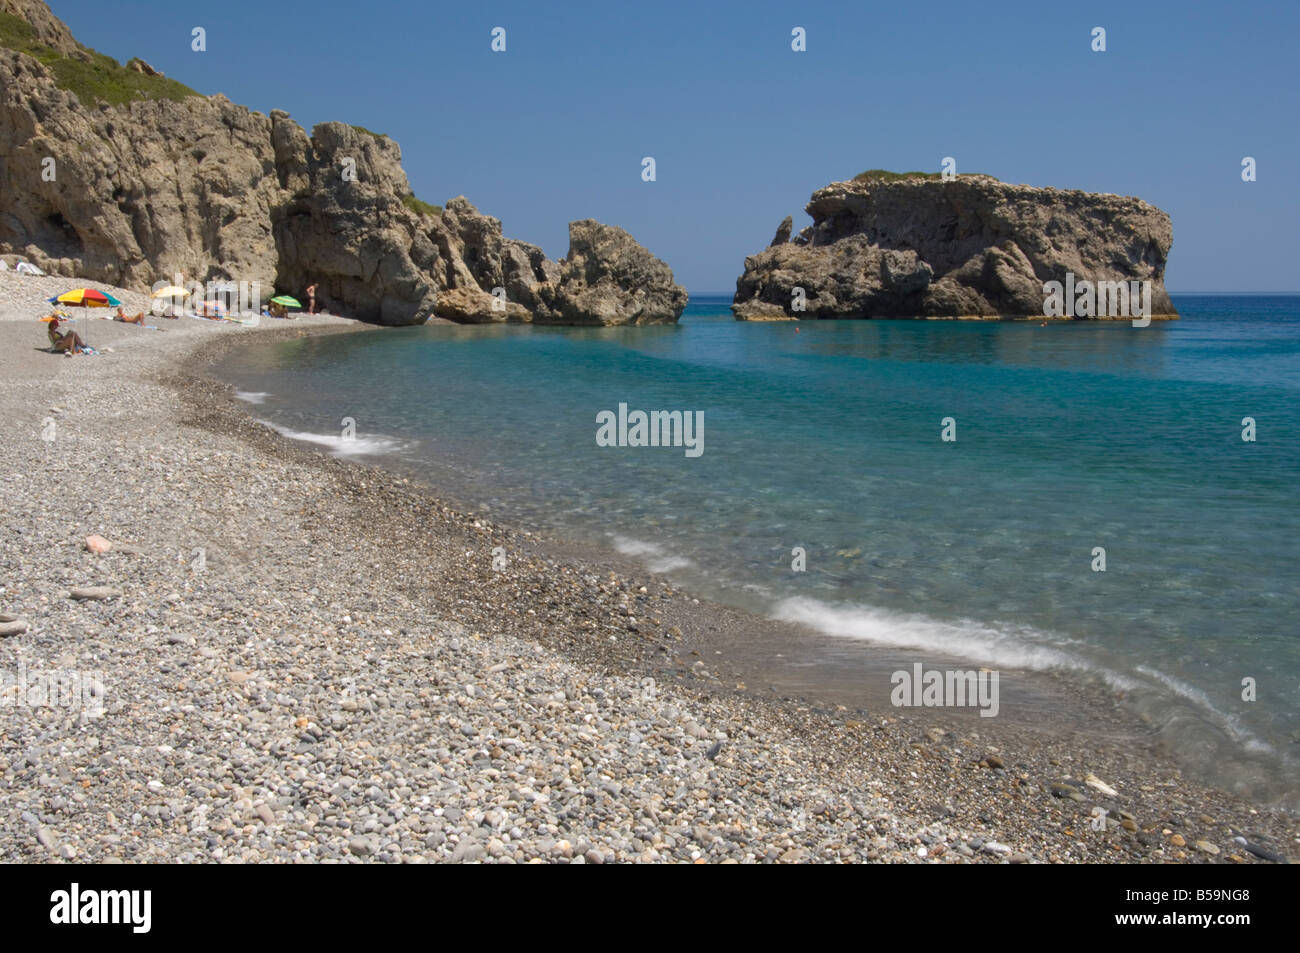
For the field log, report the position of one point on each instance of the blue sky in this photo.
(743, 129)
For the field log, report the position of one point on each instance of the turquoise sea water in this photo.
(827, 436)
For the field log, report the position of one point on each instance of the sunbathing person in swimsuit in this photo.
(126, 318)
(69, 342)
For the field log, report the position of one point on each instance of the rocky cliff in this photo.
(118, 174)
(888, 245)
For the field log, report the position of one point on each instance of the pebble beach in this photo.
(309, 660)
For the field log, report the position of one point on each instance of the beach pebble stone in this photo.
(1206, 847)
(1097, 784)
(468, 851)
(94, 593)
(98, 544)
(1178, 841)
(15, 627)
(1067, 791)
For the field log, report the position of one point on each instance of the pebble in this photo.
(468, 851)
(94, 593)
(1097, 784)
(98, 544)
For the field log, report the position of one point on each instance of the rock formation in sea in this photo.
(916, 246)
(607, 278)
(119, 174)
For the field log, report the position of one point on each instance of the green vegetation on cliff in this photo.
(97, 78)
(420, 207)
(884, 175)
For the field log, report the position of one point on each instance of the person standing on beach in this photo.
(311, 299)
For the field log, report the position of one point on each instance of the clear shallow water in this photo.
(1069, 437)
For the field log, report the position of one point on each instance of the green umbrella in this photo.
(286, 301)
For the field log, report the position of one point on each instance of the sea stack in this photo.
(913, 245)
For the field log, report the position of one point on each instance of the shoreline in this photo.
(871, 784)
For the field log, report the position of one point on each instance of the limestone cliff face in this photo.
(132, 193)
(165, 181)
(971, 247)
(342, 224)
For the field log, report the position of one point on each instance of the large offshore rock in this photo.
(900, 246)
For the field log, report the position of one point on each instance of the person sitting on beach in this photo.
(126, 318)
(68, 342)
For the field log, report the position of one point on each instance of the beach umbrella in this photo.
(286, 301)
(178, 295)
(86, 298)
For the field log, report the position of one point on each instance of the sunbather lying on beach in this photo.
(126, 318)
(67, 342)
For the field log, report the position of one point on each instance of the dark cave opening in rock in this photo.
(64, 239)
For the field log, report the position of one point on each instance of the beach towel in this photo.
(23, 268)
